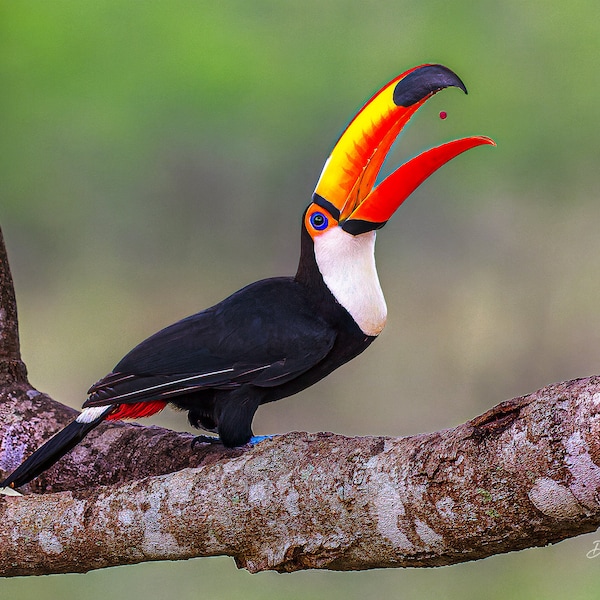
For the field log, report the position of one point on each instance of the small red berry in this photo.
(443, 115)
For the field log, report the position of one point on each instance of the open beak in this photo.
(346, 186)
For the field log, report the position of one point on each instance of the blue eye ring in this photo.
(319, 221)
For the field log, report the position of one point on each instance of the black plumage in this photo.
(267, 341)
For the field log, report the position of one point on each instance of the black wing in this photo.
(266, 334)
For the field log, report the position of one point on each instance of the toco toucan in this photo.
(278, 336)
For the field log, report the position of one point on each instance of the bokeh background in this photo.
(156, 156)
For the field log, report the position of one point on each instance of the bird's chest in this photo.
(347, 265)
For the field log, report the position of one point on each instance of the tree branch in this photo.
(523, 474)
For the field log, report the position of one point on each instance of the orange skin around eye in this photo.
(312, 230)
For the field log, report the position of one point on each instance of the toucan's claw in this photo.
(213, 439)
(205, 439)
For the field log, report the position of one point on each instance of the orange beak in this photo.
(346, 186)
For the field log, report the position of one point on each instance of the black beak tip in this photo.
(424, 81)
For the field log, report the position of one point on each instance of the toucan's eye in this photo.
(319, 221)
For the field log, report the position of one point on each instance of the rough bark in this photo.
(523, 474)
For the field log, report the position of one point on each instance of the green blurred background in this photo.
(156, 156)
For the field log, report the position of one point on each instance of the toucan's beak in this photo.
(346, 186)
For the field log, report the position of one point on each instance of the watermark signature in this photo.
(595, 551)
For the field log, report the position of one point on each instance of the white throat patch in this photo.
(347, 264)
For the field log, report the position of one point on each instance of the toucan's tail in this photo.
(56, 447)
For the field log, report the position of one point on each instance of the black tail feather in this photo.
(47, 454)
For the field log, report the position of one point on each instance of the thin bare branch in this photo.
(12, 367)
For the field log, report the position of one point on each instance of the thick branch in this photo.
(524, 474)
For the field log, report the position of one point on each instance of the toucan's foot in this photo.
(256, 439)
(213, 439)
(206, 439)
